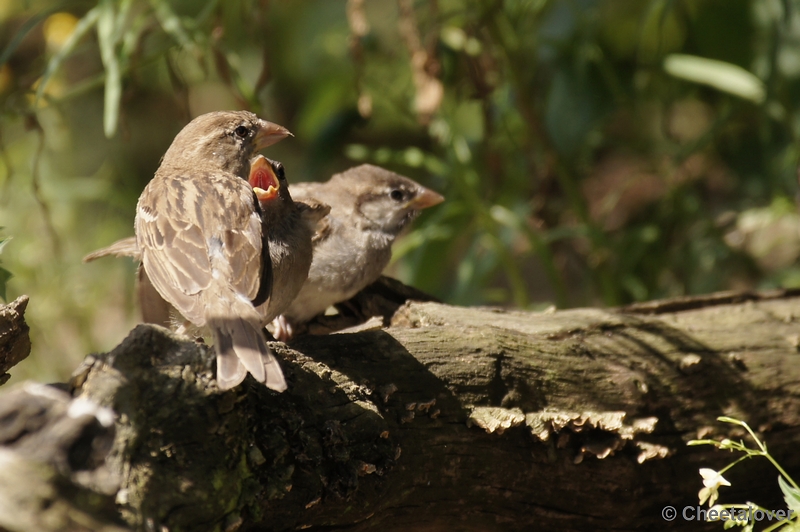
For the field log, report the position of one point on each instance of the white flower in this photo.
(712, 482)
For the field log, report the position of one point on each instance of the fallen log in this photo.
(456, 419)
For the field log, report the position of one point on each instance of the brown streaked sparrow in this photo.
(203, 243)
(289, 226)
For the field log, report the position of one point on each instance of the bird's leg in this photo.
(284, 328)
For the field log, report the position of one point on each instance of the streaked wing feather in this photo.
(175, 223)
(165, 227)
(323, 231)
(314, 211)
(244, 247)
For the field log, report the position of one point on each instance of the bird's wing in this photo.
(188, 227)
(315, 214)
(246, 247)
(313, 211)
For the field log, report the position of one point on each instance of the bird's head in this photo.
(268, 179)
(387, 201)
(223, 140)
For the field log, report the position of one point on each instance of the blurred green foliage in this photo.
(592, 152)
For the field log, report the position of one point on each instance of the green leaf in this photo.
(107, 37)
(172, 24)
(723, 76)
(790, 494)
(130, 41)
(122, 17)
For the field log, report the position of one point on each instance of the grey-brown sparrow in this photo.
(370, 208)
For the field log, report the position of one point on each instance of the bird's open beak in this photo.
(263, 179)
(269, 133)
(426, 198)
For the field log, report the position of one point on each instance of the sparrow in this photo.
(289, 224)
(203, 239)
(369, 208)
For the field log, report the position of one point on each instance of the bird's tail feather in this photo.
(230, 372)
(240, 349)
(126, 247)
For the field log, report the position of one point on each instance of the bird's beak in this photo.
(424, 199)
(269, 133)
(263, 179)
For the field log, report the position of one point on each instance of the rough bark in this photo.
(52, 473)
(454, 419)
(15, 344)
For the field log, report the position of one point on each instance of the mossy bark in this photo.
(15, 342)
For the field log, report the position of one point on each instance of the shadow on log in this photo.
(453, 419)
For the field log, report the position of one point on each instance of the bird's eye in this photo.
(396, 195)
(279, 171)
(241, 132)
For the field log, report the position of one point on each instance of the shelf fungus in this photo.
(495, 419)
(604, 433)
(601, 433)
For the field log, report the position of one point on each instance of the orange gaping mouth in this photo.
(263, 179)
